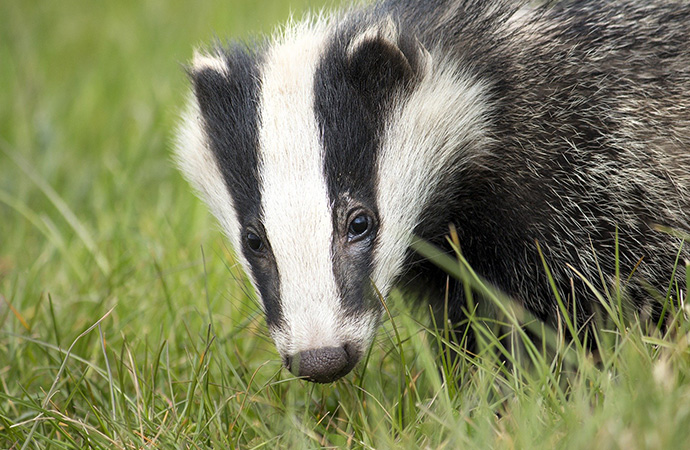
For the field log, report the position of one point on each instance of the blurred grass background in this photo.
(95, 223)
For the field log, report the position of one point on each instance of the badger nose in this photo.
(322, 365)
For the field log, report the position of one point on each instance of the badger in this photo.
(559, 131)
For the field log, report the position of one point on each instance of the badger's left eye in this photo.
(254, 242)
(359, 227)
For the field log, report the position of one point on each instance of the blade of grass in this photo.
(60, 205)
(53, 387)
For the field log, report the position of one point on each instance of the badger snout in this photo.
(323, 365)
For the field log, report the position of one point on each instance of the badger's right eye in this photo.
(254, 242)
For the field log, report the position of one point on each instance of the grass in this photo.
(124, 322)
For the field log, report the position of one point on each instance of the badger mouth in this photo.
(323, 365)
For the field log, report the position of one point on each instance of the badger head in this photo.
(317, 153)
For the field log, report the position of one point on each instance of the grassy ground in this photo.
(125, 324)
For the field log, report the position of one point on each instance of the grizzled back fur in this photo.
(324, 150)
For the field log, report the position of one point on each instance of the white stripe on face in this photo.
(446, 112)
(296, 212)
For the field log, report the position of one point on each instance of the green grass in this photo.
(124, 322)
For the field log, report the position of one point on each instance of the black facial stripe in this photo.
(353, 93)
(265, 272)
(229, 105)
(348, 127)
(352, 263)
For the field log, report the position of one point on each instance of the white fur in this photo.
(446, 111)
(216, 63)
(295, 203)
(198, 164)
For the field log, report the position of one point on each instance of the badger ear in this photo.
(209, 74)
(379, 58)
(224, 84)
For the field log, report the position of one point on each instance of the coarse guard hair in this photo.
(325, 150)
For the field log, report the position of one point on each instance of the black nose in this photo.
(322, 365)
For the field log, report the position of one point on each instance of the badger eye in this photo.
(359, 227)
(254, 242)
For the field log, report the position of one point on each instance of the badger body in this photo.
(325, 150)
